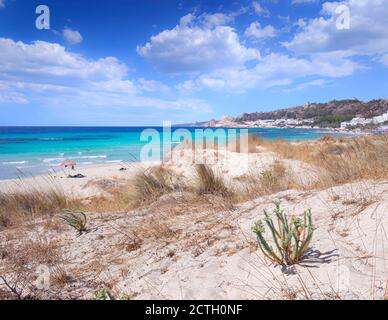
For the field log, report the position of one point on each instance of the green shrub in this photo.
(291, 237)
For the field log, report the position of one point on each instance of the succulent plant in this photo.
(291, 237)
(76, 219)
(103, 294)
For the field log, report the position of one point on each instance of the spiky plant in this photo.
(291, 237)
(76, 219)
(103, 294)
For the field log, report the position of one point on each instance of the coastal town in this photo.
(353, 120)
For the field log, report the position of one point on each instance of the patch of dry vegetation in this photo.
(342, 160)
(18, 207)
(150, 184)
(20, 265)
(205, 187)
(144, 188)
(208, 182)
(270, 181)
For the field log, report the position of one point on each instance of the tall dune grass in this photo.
(341, 160)
(26, 205)
(208, 182)
(150, 184)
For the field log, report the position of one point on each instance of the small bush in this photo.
(291, 238)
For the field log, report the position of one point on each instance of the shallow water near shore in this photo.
(37, 150)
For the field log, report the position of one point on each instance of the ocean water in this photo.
(37, 150)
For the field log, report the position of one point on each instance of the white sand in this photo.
(97, 177)
(229, 164)
(212, 254)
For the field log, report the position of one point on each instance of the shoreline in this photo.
(54, 171)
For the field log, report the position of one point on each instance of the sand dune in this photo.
(185, 247)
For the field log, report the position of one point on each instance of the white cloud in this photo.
(197, 45)
(116, 86)
(47, 74)
(8, 95)
(45, 59)
(72, 36)
(257, 32)
(152, 86)
(368, 33)
(12, 97)
(384, 60)
(304, 85)
(301, 23)
(272, 70)
(216, 19)
(216, 59)
(259, 9)
(2, 4)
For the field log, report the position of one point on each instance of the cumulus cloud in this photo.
(41, 59)
(214, 57)
(255, 31)
(197, 45)
(368, 33)
(217, 60)
(272, 70)
(72, 36)
(47, 73)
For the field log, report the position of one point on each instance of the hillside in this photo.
(329, 114)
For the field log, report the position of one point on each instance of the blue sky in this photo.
(128, 62)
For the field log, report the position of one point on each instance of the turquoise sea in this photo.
(36, 150)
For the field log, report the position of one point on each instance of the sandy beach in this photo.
(99, 177)
(96, 177)
(185, 245)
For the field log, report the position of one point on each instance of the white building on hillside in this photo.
(362, 121)
(381, 119)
